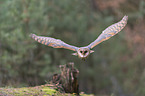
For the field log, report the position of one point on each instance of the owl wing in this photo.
(109, 32)
(55, 43)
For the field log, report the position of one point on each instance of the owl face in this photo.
(83, 52)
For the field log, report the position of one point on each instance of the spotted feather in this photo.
(109, 32)
(55, 43)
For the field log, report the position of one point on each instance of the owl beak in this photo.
(91, 51)
(75, 54)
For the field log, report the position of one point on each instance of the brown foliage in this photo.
(105, 4)
(136, 37)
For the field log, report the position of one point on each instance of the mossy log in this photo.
(43, 90)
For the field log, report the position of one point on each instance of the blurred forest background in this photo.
(117, 65)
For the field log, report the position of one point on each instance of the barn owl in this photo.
(83, 52)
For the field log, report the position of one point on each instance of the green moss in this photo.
(49, 91)
(44, 90)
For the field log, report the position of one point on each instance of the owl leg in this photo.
(75, 54)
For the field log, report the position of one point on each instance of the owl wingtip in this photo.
(125, 17)
(32, 35)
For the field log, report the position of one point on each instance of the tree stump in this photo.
(68, 79)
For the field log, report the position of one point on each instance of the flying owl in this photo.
(83, 52)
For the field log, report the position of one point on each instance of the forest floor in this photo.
(43, 90)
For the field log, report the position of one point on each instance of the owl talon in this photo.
(75, 54)
(91, 51)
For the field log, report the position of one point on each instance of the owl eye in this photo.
(85, 51)
(81, 51)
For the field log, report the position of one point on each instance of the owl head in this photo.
(83, 52)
